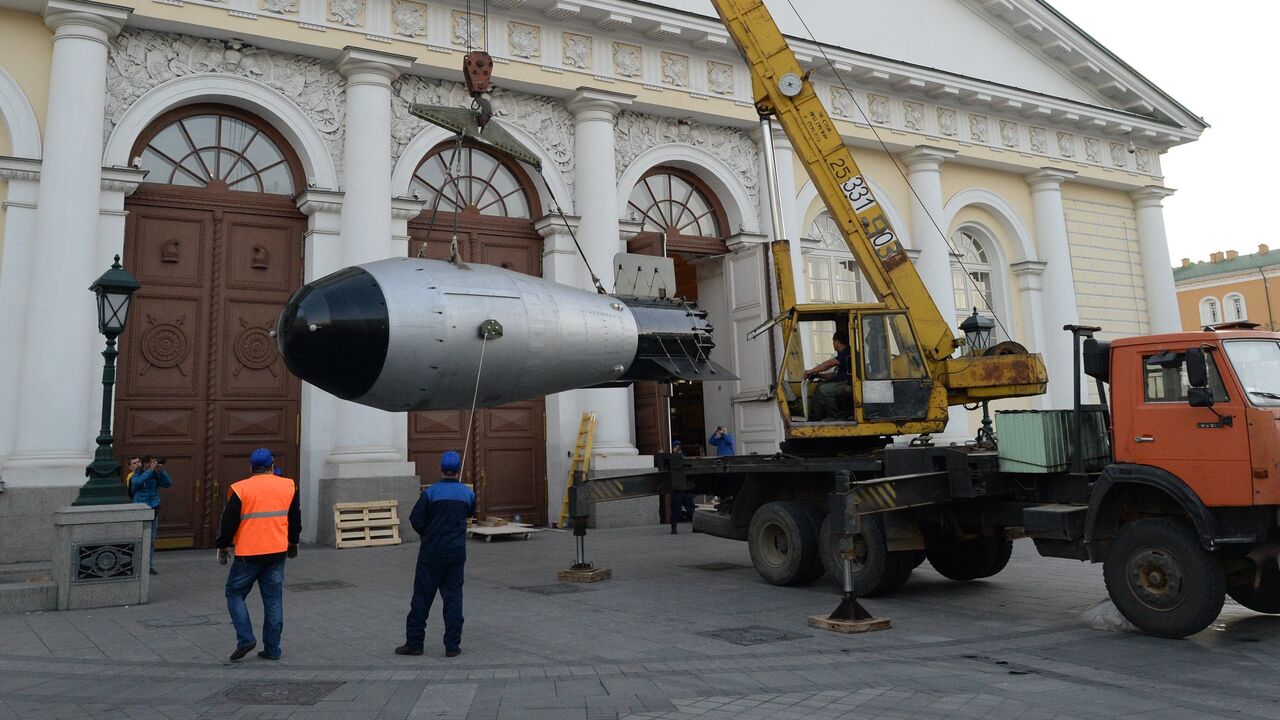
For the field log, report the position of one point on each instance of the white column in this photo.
(19, 208)
(366, 437)
(596, 191)
(1030, 277)
(924, 174)
(1157, 275)
(57, 402)
(1059, 283)
(784, 157)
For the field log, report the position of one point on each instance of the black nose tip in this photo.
(333, 333)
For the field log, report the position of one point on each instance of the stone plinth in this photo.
(623, 513)
(404, 489)
(101, 555)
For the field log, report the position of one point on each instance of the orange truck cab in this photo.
(1187, 509)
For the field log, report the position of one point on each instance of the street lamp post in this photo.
(977, 333)
(115, 289)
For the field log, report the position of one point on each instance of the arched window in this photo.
(831, 275)
(679, 206)
(971, 280)
(1210, 313)
(1233, 306)
(218, 149)
(469, 180)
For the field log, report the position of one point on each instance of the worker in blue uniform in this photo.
(440, 519)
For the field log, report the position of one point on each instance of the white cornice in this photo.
(1271, 272)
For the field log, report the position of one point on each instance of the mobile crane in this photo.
(1181, 516)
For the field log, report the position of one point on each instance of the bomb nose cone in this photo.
(333, 333)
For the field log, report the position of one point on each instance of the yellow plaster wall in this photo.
(1249, 284)
(1106, 259)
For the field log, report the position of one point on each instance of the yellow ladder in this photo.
(581, 458)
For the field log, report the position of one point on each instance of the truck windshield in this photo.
(1257, 364)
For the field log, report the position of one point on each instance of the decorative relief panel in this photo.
(720, 78)
(842, 103)
(468, 29)
(1118, 155)
(347, 12)
(948, 122)
(543, 118)
(139, 60)
(1038, 140)
(626, 60)
(913, 116)
(634, 133)
(978, 128)
(1093, 150)
(1066, 145)
(675, 70)
(525, 41)
(164, 344)
(1009, 134)
(1143, 158)
(879, 107)
(280, 7)
(409, 18)
(576, 50)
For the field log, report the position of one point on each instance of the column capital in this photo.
(89, 20)
(1028, 267)
(406, 208)
(121, 179)
(360, 66)
(313, 201)
(12, 168)
(589, 103)
(1049, 178)
(745, 241)
(551, 225)
(926, 158)
(1150, 196)
(628, 229)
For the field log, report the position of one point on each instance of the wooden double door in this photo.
(200, 380)
(506, 460)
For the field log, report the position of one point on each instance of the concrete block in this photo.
(81, 530)
(24, 597)
(26, 514)
(622, 513)
(404, 489)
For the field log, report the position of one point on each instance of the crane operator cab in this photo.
(850, 364)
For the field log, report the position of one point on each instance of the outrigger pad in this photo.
(464, 122)
(849, 617)
(584, 574)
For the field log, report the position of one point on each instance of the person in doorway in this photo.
(440, 519)
(262, 520)
(722, 441)
(836, 373)
(144, 487)
(682, 505)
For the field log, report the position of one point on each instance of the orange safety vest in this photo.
(264, 514)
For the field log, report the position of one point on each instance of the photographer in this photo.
(722, 441)
(144, 486)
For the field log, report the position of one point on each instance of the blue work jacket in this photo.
(440, 518)
(146, 486)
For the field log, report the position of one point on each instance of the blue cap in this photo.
(450, 461)
(261, 459)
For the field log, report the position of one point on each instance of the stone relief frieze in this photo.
(1118, 155)
(948, 122)
(842, 103)
(626, 60)
(1009, 134)
(634, 133)
(879, 106)
(675, 69)
(410, 18)
(524, 40)
(576, 49)
(1143, 159)
(543, 118)
(720, 78)
(139, 60)
(347, 12)
(468, 29)
(1066, 145)
(978, 128)
(280, 7)
(913, 116)
(1037, 140)
(1093, 150)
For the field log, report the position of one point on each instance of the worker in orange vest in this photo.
(262, 520)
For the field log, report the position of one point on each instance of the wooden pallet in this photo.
(366, 524)
(507, 529)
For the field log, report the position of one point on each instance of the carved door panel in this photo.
(507, 457)
(201, 382)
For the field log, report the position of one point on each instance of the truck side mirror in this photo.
(1197, 372)
(1200, 397)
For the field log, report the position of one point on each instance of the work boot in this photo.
(407, 649)
(454, 652)
(241, 651)
(265, 656)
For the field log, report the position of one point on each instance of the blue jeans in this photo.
(446, 578)
(270, 579)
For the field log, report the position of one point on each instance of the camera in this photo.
(160, 461)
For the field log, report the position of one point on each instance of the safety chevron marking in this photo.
(883, 496)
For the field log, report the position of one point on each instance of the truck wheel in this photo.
(967, 559)
(1162, 579)
(871, 559)
(783, 541)
(1266, 597)
(717, 524)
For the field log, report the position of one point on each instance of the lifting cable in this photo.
(595, 280)
(968, 276)
(471, 420)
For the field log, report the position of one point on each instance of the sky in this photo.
(1207, 56)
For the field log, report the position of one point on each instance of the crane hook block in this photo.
(477, 68)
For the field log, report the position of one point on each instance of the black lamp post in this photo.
(977, 334)
(114, 290)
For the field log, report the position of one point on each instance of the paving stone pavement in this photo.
(684, 630)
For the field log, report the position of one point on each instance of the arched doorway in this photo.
(487, 200)
(216, 240)
(680, 218)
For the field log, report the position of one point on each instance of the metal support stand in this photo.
(849, 616)
(581, 570)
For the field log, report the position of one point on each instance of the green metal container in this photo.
(1039, 441)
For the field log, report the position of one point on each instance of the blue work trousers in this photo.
(270, 579)
(427, 580)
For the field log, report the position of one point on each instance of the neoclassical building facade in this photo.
(230, 150)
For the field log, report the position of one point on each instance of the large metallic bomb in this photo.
(408, 334)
